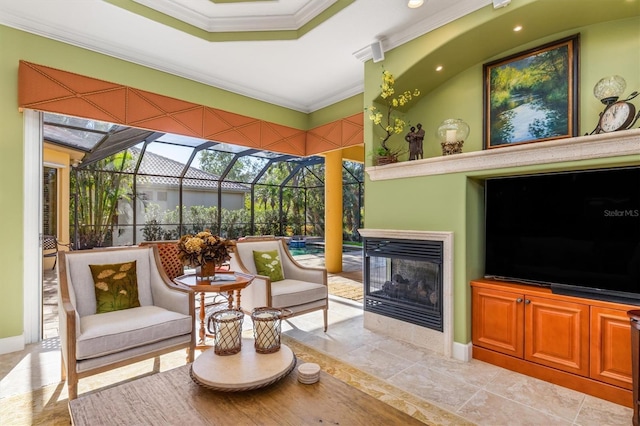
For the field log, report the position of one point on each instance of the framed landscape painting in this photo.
(532, 96)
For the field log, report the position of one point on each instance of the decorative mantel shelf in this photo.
(603, 145)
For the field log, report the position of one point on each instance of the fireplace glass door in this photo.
(403, 280)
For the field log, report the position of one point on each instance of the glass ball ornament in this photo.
(452, 133)
(609, 89)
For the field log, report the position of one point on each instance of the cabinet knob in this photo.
(519, 300)
(527, 301)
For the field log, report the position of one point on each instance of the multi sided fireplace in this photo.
(403, 280)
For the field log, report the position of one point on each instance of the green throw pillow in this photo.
(116, 286)
(268, 263)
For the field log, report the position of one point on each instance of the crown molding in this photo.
(391, 41)
(355, 88)
(210, 23)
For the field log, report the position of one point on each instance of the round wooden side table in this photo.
(246, 370)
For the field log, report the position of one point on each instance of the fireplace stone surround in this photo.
(439, 342)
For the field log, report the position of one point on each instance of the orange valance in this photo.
(48, 89)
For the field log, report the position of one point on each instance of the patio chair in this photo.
(168, 252)
(92, 342)
(50, 248)
(285, 284)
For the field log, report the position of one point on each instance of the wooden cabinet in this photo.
(557, 334)
(634, 317)
(520, 325)
(579, 343)
(498, 321)
(611, 346)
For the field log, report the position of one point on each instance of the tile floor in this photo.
(476, 391)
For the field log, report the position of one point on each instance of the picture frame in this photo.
(532, 96)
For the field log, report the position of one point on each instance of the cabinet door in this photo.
(611, 347)
(498, 321)
(557, 334)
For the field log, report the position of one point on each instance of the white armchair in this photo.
(92, 343)
(302, 290)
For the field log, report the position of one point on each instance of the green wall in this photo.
(11, 200)
(454, 202)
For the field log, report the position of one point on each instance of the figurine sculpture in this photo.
(415, 138)
(419, 138)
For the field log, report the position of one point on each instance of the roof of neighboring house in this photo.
(158, 170)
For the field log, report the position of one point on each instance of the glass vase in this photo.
(206, 272)
(452, 134)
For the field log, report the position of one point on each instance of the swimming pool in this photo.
(315, 249)
(299, 251)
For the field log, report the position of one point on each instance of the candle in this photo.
(265, 330)
(228, 332)
(450, 136)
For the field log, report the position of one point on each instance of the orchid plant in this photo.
(389, 122)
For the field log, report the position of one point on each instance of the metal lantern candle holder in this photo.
(452, 134)
(267, 324)
(226, 325)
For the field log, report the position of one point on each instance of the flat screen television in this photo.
(576, 232)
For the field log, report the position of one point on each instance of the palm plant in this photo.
(389, 121)
(99, 187)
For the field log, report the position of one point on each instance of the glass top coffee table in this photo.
(246, 370)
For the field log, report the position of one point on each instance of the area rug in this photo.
(347, 291)
(49, 405)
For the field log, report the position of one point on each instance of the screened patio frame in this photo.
(98, 141)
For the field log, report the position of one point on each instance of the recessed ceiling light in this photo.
(415, 3)
(439, 68)
(517, 28)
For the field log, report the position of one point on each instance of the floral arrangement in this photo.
(196, 250)
(390, 123)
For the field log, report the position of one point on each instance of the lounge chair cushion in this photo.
(290, 292)
(111, 332)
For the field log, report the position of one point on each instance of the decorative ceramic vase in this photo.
(206, 272)
(452, 134)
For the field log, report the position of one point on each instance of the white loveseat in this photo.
(92, 343)
(302, 290)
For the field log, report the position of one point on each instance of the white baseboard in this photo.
(11, 344)
(462, 351)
